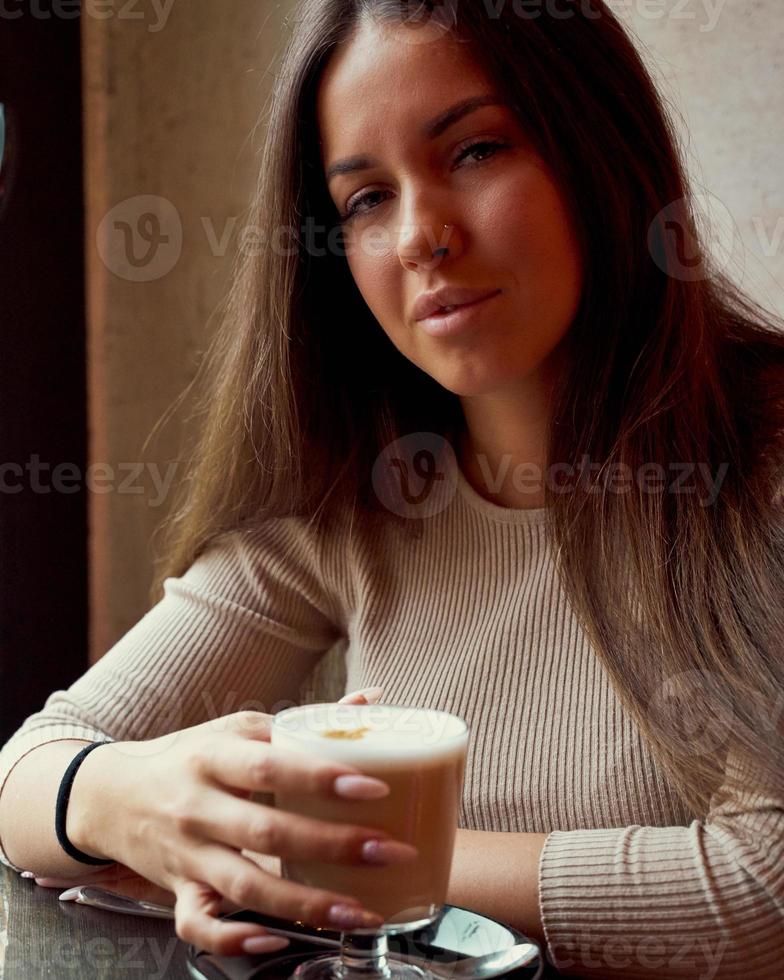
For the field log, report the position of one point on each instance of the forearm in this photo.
(27, 808)
(496, 874)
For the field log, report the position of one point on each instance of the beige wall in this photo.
(170, 106)
(720, 64)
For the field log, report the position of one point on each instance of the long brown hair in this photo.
(669, 363)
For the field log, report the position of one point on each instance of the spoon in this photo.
(469, 968)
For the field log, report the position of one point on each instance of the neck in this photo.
(502, 448)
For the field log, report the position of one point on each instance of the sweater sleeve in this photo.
(241, 629)
(704, 900)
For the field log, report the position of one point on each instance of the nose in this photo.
(425, 245)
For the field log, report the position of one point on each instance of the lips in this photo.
(461, 318)
(435, 302)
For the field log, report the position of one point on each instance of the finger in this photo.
(267, 862)
(142, 889)
(264, 829)
(195, 920)
(113, 872)
(63, 881)
(254, 767)
(132, 885)
(243, 882)
(367, 695)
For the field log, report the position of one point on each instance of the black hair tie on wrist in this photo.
(61, 810)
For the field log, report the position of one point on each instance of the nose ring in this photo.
(443, 250)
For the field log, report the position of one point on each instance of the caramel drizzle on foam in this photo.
(345, 733)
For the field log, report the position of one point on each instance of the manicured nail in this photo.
(264, 944)
(371, 693)
(348, 917)
(69, 894)
(27, 874)
(368, 693)
(388, 852)
(360, 788)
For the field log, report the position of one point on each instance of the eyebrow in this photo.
(430, 131)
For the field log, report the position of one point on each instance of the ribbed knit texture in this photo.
(469, 619)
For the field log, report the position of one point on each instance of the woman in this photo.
(559, 518)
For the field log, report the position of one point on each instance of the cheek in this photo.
(556, 245)
(379, 278)
(526, 227)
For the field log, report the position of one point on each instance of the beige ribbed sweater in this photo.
(469, 619)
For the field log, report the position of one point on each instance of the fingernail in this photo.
(349, 918)
(27, 874)
(372, 692)
(368, 693)
(388, 852)
(264, 944)
(69, 894)
(360, 788)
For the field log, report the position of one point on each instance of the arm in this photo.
(27, 808)
(704, 901)
(496, 874)
(243, 627)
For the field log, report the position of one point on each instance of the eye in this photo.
(356, 206)
(494, 145)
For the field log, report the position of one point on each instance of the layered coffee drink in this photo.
(420, 753)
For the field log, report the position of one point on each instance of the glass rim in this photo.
(396, 708)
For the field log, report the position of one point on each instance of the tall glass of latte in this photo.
(420, 753)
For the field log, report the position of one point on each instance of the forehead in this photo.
(386, 78)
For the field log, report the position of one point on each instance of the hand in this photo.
(125, 881)
(188, 826)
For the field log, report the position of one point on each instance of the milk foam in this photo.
(369, 732)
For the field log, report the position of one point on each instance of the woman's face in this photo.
(509, 229)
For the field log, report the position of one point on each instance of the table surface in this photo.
(46, 938)
(56, 940)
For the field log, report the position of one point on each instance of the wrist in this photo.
(92, 806)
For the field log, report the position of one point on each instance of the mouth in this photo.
(445, 310)
(451, 319)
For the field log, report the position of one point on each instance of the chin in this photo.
(468, 390)
(474, 381)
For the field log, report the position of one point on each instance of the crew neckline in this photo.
(507, 515)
